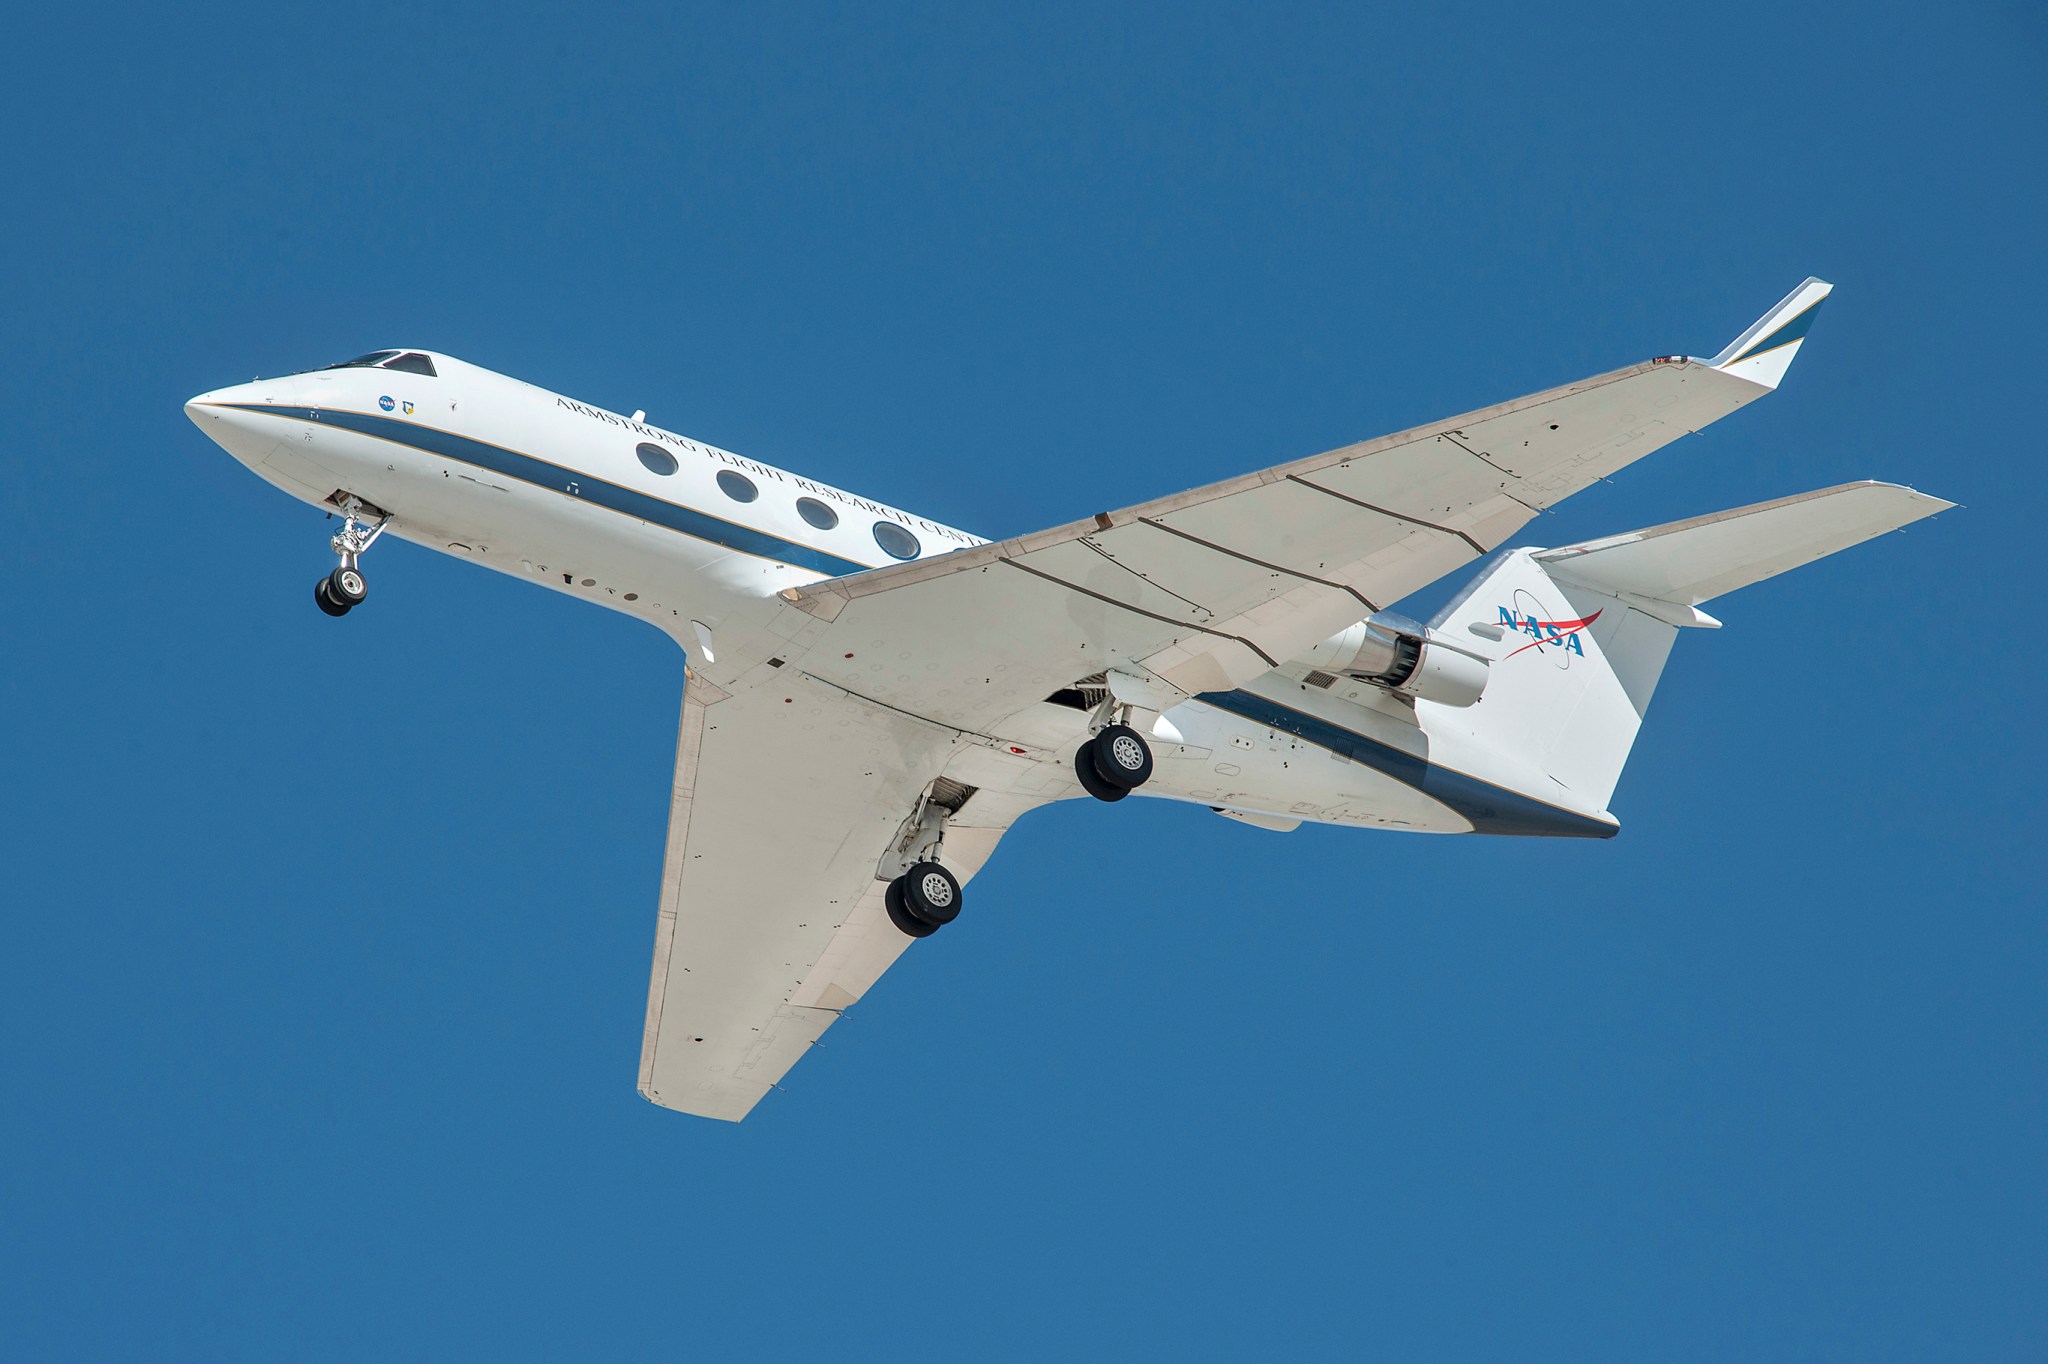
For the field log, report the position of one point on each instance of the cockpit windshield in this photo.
(411, 361)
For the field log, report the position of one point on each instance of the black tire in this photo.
(327, 603)
(931, 894)
(1090, 779)
(346, 586)
(1122, 757)
(899, 915)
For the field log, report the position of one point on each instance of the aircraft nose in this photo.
(215, 404)
(235, 418)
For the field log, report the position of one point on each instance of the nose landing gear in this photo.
(344, 588)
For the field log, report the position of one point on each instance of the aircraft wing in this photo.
(1204, 590)
(771, 921)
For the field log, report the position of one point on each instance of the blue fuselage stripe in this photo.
(1491, 809)
(584, 487)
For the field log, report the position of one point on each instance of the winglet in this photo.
(1764, 352)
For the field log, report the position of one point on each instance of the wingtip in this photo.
(1934, 504)
(1764, 352)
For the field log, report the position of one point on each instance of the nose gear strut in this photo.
(361, 524)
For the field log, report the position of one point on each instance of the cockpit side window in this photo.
(375, 357)
(412, 362)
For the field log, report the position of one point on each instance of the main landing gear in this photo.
(1113, 763)
(923, 900)
(344, 589)
(921, 896)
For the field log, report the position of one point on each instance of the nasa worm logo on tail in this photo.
(1547, 632)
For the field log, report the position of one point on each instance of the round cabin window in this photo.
(817, 513)
(657, 460)
(895, 541)
(737, 486)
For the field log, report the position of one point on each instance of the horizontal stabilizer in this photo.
(1764, 352)
(1694, 561)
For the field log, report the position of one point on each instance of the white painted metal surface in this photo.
(1694, 561)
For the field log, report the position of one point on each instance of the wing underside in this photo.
(771, 919)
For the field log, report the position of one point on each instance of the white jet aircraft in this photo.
(874, 698)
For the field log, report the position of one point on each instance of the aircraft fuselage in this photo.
(698, 542)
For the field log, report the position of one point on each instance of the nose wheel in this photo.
(344, 589)
(923, 900)
(340, 590)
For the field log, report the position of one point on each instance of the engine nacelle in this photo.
(1396, 653)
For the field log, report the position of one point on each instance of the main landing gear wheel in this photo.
(1122, 756)
(923, 900)
(327, 603)
(1113, 763)
(1091, 780)
(931, 893)
(899, 915)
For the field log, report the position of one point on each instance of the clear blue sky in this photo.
(325, 943)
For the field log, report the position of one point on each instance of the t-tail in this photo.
(1579, 635)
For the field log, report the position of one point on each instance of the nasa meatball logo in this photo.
(386, 403)
(1549, 635)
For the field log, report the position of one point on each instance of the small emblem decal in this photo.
(407, 405)
(386, 403)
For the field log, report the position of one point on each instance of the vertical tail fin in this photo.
(1571, 677)
(1582, 633)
